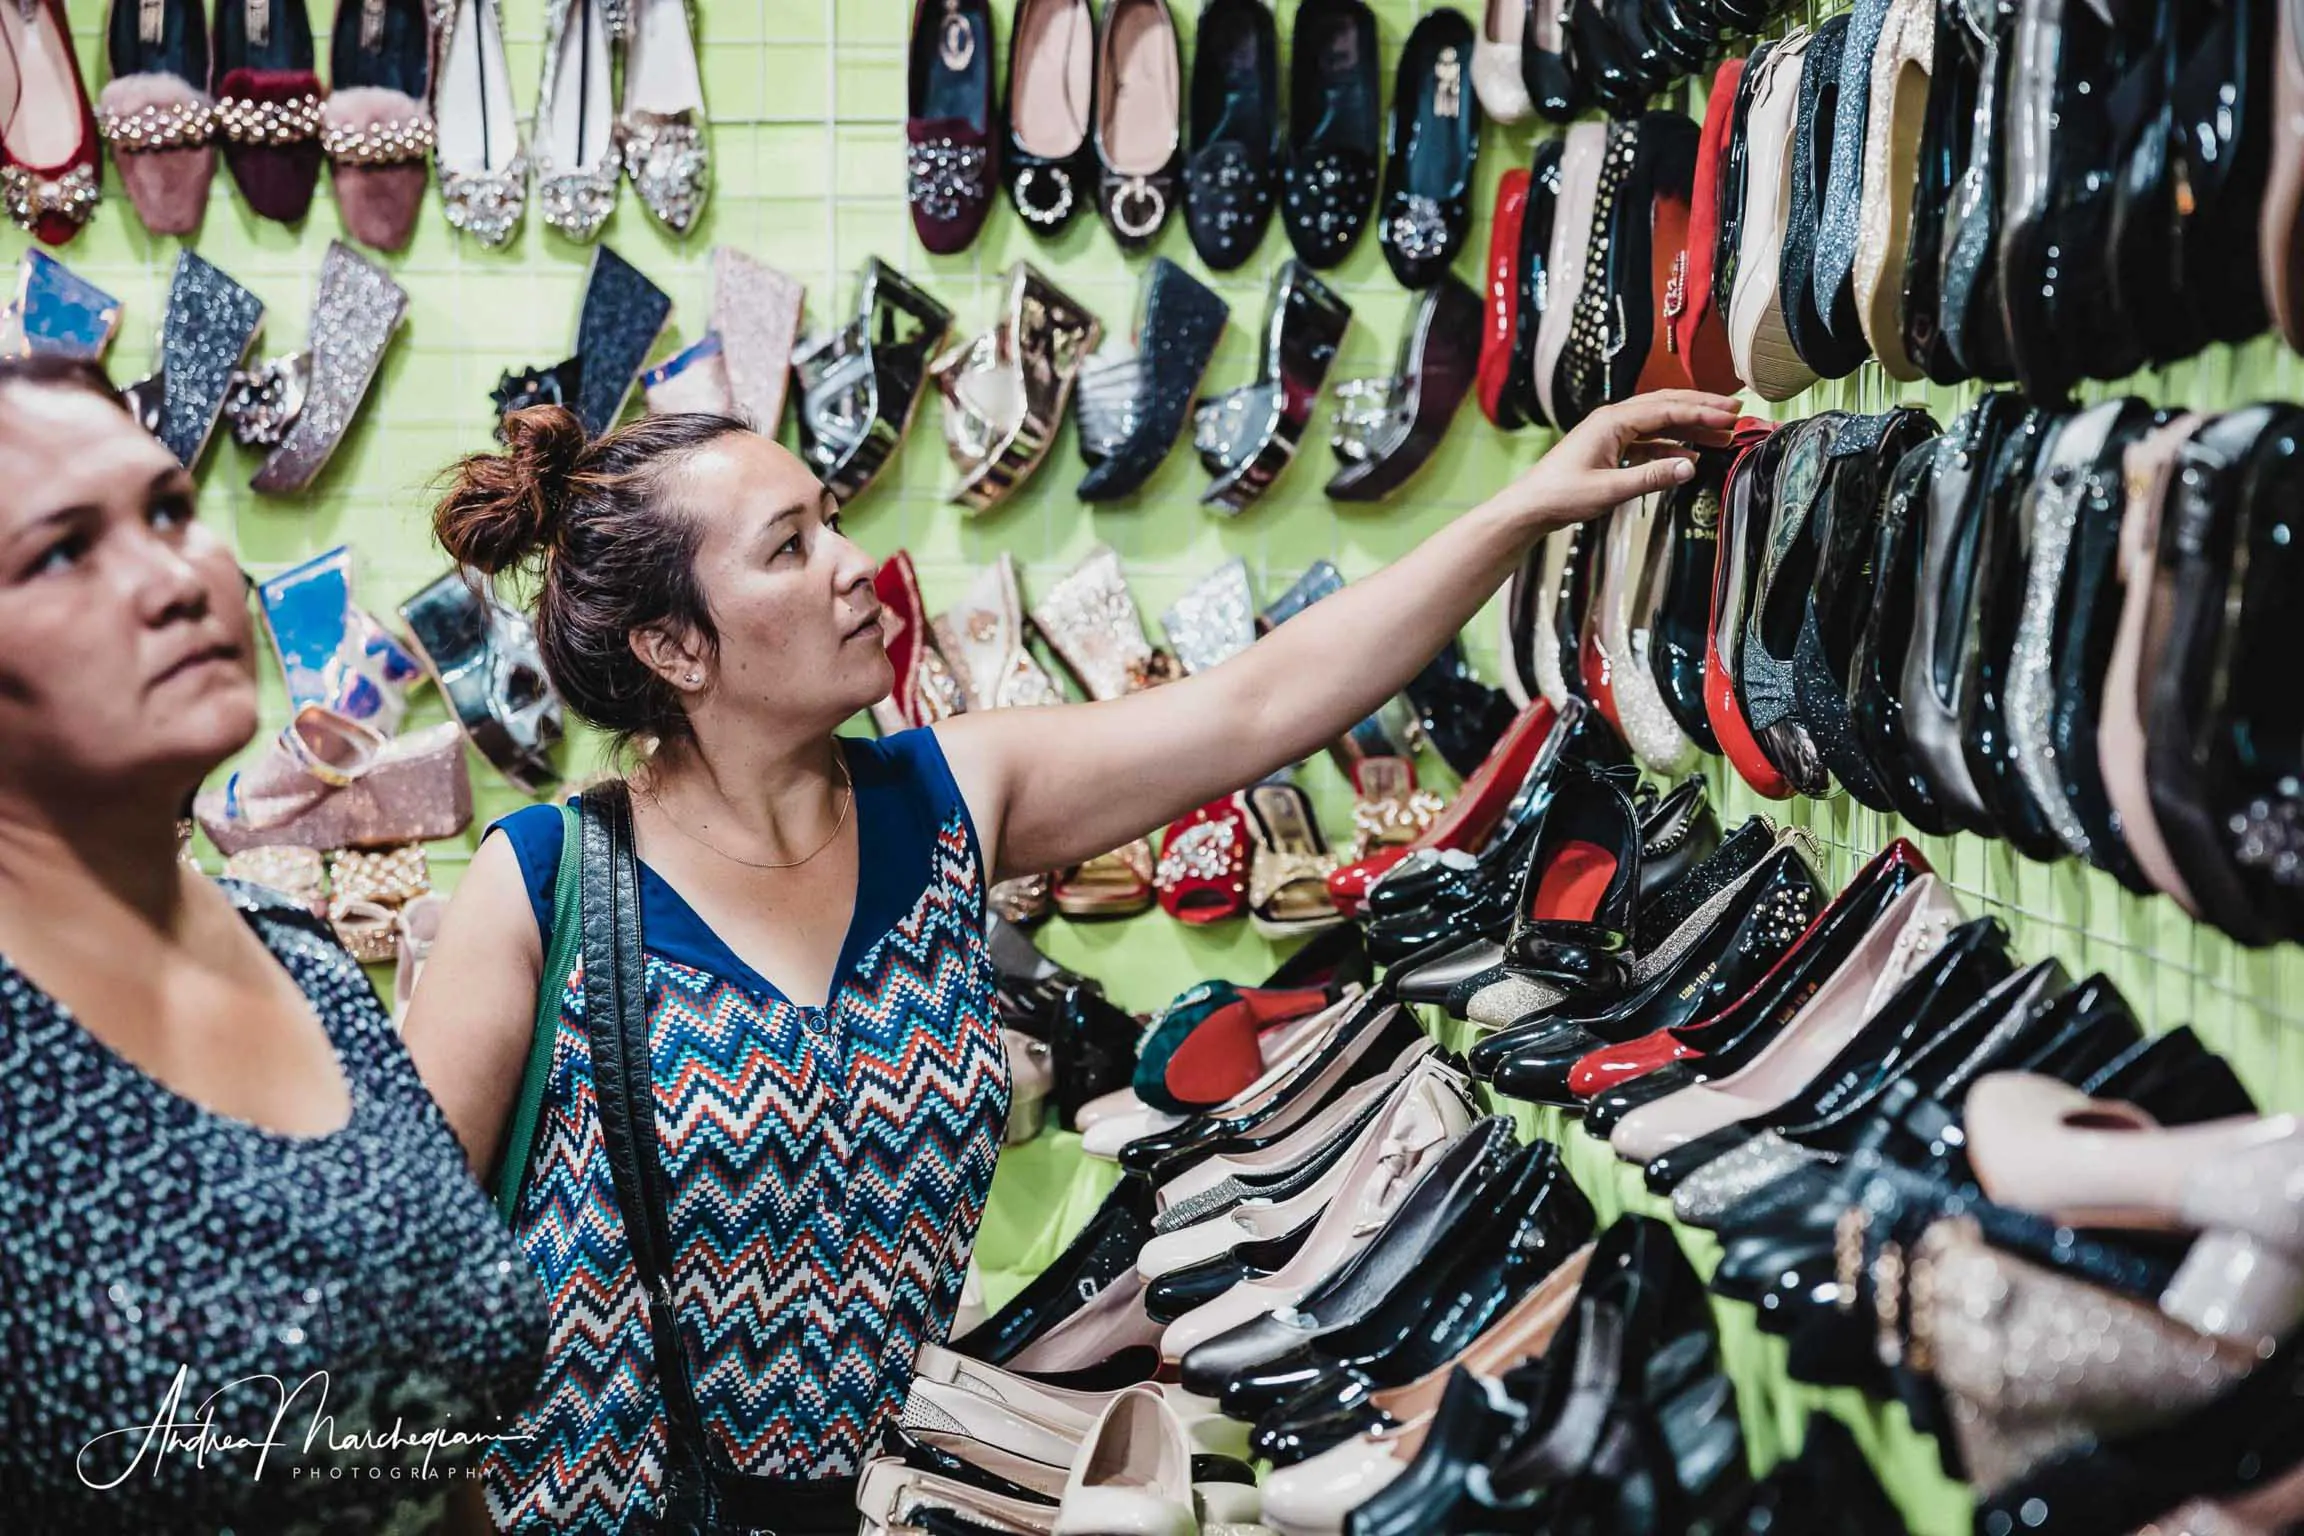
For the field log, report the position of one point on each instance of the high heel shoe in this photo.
(859, 384)
(2125, 1366)
(1332, 154)
(1617, 1079)
(357, 309)
(951, 160)
(1766, 911)
(1745, 502)
(1680, 577)
(375, 126)
(1876, 672)
(1483, 806)
(575, 150)
(1005, 392)
(2041, 1146)
(1139, 119)
(1387, 428)
(1794, 552)
(1432, 144)
(483, 169)
(660, 119)
(1910, 931)
(756, 314)
(1247, 436)
(482, 655)
(1134, 398)
(205, 332)
(1502, 401)
(925, 691)
(156, 112)
(1046, 160)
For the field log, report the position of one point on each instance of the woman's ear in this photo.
(677, 659)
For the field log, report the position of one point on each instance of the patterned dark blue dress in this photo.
(828, 1169)
(363, 1271)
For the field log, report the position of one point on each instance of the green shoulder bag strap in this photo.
(559, 960)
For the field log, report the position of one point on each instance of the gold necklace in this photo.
(847, 804)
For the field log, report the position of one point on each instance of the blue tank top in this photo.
(828, 1169)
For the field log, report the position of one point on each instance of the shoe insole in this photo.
(958, 69)
(474, 116)
(1141, 121)
(1348, 108)
(1438, 144)
(1051, 87)
(43, 125)
(1573, 884)
(398, 57)
(1247, 109)
(577, 136)
(660, 61)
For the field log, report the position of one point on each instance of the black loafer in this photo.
(1229, 172)
(1431, 147)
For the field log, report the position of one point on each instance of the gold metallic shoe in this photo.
(2031, 1361)
(1091, 621)
(1005, 391)
(982, 638)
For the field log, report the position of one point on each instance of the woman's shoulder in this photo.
(536, 833)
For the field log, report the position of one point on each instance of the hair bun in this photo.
(505, 508)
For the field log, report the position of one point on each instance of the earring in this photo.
(695, 677)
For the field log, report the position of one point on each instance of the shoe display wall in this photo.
(1989, 627)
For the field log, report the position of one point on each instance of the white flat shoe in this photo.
(1133, 1476)
(951, 1377)
(1429, 1109)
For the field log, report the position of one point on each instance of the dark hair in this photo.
(592, 520)
(44, 370)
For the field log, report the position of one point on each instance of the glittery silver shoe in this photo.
(1215, 620)
(483, 170)
(1247, 437)
(483, 655)
(579, 163)
(209, 324)
(355, 311)
(1005, 391)
(860, 384)
(661, 124)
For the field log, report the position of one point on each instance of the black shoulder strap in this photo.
(616, 1024)
(703, 1493)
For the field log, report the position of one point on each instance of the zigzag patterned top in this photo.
(828, 1170)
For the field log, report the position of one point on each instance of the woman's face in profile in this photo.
(126, 647)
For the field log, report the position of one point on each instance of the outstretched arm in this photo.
(1053, 786)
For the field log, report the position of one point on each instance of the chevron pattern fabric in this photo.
(829, 1169)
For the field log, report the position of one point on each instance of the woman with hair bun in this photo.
(828, 1081)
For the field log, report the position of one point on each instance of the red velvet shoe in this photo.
(268, 106)
(925, 691)
(1468, 821)
(1721, 706)
(1202, 876)
(1495, 376)
(951, 159)
(1614, 1065)
(48, 155)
